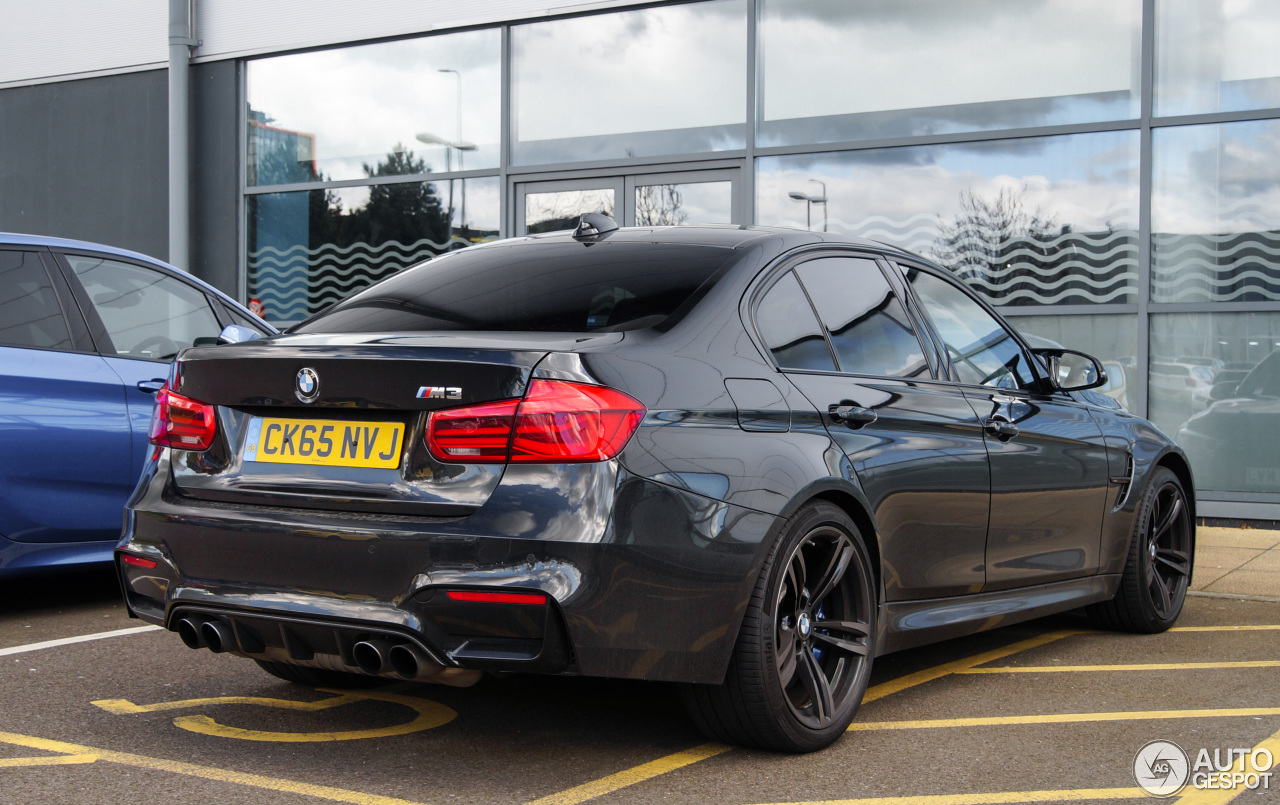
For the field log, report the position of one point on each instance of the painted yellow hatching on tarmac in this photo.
(636, 774)
(429, 715)
(994, 798)
(1063, 718)
(46, 760)
(1221, 797)
(948, 668)
(1149, 666)
(204, 772)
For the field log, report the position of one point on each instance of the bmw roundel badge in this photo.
(307, 386)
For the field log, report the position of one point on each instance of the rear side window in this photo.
(148, 314)
(30, 315)
(869, 329)
(790, 330)
(534, 287)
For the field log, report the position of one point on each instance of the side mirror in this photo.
(235, 333)
(1071, 370)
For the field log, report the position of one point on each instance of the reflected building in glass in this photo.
(1105, 172)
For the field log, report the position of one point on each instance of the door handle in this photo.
(1000, 429)
(151, 386)
(852, 415)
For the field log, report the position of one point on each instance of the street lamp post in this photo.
(823, 201)
(435, 139)
(809, 201)
(457, 135)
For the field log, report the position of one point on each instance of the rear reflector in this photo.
(181, 422)
(138, 561)
(496, 598)
(556, 422)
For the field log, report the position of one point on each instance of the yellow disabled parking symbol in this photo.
(429, 714)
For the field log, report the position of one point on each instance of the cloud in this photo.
(905, 197)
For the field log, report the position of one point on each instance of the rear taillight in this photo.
(181, 422)
(557, 422)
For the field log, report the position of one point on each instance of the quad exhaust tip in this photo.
(217, 636)
(371, 655)
(374, 655)
(409, 662)
(189, 631)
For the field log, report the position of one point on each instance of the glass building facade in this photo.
(1107, 172)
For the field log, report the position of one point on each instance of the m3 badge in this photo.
(439, 393)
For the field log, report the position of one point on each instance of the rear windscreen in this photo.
(534, 287)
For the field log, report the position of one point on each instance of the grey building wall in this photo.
(88, 159)
(215, 175)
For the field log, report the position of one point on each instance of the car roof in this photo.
(725, 235)
(19, 239)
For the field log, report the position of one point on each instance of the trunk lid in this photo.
(336, 422)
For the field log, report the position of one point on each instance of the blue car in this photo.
(87, 333)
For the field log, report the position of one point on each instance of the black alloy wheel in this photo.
(805, 649)
(821, 637)
(1161, 555)
(1167, 557)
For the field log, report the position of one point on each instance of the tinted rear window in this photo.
(560, 286)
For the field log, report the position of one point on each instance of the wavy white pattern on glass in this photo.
(1216, 268)
(1064, 267)
(294, 283)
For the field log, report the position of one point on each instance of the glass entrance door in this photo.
(677, 198)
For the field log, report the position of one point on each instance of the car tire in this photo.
(803, 656)
(318, 677)
(1158, 569)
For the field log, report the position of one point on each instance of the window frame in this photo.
(78, 330)
(104, 345)
(788, 263)
(1042, 386)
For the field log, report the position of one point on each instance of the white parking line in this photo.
(66, 641)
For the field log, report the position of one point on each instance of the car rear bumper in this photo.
(641, 579)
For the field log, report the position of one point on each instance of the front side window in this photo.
(982, 350)
(869, 329)
(30, 315)
(147, 314)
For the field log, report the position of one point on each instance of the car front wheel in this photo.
(1157, 572)
(803, 656)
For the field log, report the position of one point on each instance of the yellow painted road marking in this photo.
(1209, 797)
(646, 771)
(1072, 795)
(948, 668)
(430, 715)
(637, 774)
(1151, 666)
(205, 772)
(1062, 718)
(50, 760)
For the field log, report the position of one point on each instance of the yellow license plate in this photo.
(331, 443)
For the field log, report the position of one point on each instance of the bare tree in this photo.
(659, 205)
(981, 241)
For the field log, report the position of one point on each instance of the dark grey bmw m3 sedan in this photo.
(742, 459)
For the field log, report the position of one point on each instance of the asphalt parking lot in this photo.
(1048, 711)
